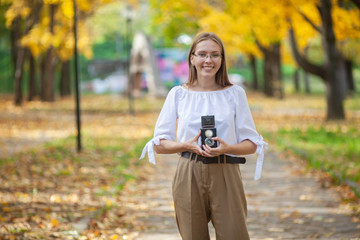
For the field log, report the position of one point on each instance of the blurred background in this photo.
(299, 61)
(273, 47)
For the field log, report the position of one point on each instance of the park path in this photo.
(287, 203)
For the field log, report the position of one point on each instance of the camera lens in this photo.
(209, 142)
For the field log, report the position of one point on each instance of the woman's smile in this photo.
(208, 67)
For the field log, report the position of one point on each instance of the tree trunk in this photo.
(19, 53)
(65, 86)
(306, 74)
(333, 69)
(272, 71)
(277, 87)
(48, 72)
(20, 60)
(307, 82)
(268, 75)
(33, 19)
(349, 76)
(296, 80)
(32, 78)
(335, 109)
(42, 78)
(15, 34)
(49, 63)
(254, 72)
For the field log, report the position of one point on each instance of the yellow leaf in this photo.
(115, 236)
(54, 223)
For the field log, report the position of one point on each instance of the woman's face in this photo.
(206, 59)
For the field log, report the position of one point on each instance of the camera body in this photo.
(208, 131)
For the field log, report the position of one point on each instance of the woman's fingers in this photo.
(218, 139)
(198, 135)
(198, 150)
(209, 152)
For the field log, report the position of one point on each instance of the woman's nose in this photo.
(207, 58)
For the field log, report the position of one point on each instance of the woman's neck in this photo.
(205, 85)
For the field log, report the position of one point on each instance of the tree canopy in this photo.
(241, 23)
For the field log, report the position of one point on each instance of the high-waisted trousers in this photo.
(209, 192)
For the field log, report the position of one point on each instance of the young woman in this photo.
(207, 185)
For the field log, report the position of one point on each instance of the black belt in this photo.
(208, 160)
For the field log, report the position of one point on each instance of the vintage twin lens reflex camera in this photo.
(208, 131)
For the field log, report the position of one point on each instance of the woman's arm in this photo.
(243, 148)
(169, 147)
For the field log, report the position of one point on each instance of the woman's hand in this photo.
(192, 145)
(214, 152)
(169, 147)
(243, 148)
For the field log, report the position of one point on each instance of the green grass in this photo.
(334, 151)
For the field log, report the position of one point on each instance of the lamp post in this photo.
(77, 94)
(129, 14)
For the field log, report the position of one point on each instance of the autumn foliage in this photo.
(282, 31)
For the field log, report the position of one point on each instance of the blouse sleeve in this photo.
(245, 129)
(165, 127)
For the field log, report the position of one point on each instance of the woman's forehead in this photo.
(208, 45)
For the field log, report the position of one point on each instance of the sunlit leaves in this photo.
(347, 31)
(67, 8)
(172, 18)
(347, 23)
(240, 23)
(40, 37)
(18, 8)
(38, 40)
(101, 27)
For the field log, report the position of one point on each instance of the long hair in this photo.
(221, 77)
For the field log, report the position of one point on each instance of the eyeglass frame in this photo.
(211, 56)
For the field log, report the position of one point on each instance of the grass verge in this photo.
(335, 151)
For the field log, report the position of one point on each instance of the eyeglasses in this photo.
(203, 56)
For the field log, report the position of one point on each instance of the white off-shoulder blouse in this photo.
(183, 108)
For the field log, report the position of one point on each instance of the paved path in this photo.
(287, 203)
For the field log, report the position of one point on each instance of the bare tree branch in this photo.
(307, 19)
(302, 61)
(259, 45)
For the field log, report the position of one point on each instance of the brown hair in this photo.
(221, 77)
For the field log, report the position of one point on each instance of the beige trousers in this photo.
(204, 192)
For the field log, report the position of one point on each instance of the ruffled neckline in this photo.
(207, 92)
